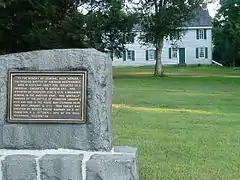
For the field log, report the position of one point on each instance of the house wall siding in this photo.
(189, 42)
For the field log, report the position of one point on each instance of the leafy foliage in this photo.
(45, 24)
(110, 27)
(227, 33)
(161, 19)
(29, 25)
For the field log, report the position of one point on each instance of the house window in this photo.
(201, 34)
(173, 52)
(131, 55)
(202, 52)
(150, 55)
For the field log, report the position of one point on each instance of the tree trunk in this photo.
(111, 55)
(158, 65)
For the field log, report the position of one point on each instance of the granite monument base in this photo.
(65, 164)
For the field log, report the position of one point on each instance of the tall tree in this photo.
(118, 28)
(29, 25)
(226, 33)
(109, 26)
(161, 19)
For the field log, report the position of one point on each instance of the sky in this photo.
(213, 8)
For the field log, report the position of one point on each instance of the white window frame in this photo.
(201, 33)
(201, 52)
(174, 52)
(151, 55)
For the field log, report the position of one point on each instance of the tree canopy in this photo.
(226, 33)
(163, 18)
(31, 25)
(110, 27)
(107, 25)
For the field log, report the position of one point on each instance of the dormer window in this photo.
(201, 34)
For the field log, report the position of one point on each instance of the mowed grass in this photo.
(186, 125)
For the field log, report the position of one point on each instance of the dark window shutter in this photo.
(155, 54)
(133, 55)
(205, 34)
(170, 53)
(206, 52)
(124, 55)
(146, 55)
(196, 52)
(197, 35)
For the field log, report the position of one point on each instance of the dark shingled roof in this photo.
(202, 19)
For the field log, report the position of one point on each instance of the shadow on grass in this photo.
(137, 75)
(190, 72)
(169, 75)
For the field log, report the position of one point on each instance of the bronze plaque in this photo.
(47, 97)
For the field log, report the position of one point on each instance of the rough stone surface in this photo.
(126, 149)
(3, 97)
(133, 151)
(112, 166)
(45, 136)
(61, 167)
(95, 134)
(19, 167)
(1, 136)
(66, 164)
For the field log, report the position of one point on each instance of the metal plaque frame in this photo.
(82, 111)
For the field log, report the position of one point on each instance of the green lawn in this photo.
(185, 125)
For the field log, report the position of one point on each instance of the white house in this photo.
(195, 47)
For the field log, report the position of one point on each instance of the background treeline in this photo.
(45, 24)
(106, 25)
(226, 33)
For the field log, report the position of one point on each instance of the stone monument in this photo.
(55, 118)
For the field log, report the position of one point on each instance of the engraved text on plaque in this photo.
(58, 97)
